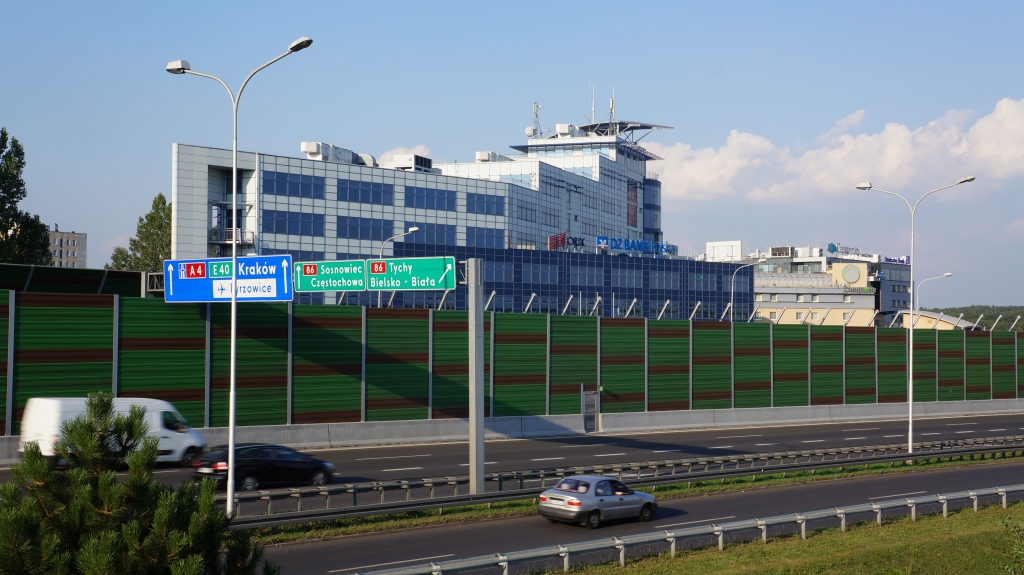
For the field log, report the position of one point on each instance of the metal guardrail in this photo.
(715, 530)
(646, 473)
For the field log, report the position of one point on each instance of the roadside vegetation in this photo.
(341, 527)
(991, 313)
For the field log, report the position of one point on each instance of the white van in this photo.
(178, 442)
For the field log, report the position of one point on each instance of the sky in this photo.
(778, 109)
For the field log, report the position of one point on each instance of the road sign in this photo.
(410, 274)
(348, 275)
(260, 278)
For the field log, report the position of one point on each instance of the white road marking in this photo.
(813, 441)
(897, 435)
(736, 436)
(854, 438)
(968, 431)
(547, 459)
(669, 451)
(609, 454)
(692, 522)
(391, 563)
(864, 429)
(1004, 429)
(763, 444)
(392, 457)
(929, 434)
(961, 424)
(721, 447)
(402, 469)
(897, 495)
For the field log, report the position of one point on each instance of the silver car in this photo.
(591, 499)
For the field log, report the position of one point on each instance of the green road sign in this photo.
(220, 269)
(347, 275)
(409, 274)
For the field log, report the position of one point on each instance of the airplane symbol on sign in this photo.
(221, 288)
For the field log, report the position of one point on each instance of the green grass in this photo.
(341, 527)
(966, 543)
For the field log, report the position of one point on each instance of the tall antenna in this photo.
(611, 115)
(534, 131)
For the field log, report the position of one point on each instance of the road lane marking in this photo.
(968, 431)
(813, 441)
(608, 454)
(721, 447)
(897, 435)
(401, 469)
(392, 563)
(929, 434)
(763, 444)
(961, 424)
(897, 495)
(669, 451)
(1003, 429)
(392, 457)
(736, 436)
(853, 438)
(864, 429)
(692, 522)
(547, 459)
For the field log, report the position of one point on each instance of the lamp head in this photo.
(300, 44)
(947, 274)
(864, 186)
(966, 180)
(178, 67)
(413, 230)
(762, 260)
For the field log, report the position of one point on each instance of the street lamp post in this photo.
(910, 358)
(913, 310)
(412, 230)
(732, 286)
(182, 67)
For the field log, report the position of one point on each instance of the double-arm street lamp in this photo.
(182, 67)
(732, 286)
(412, 230)
(912, 263)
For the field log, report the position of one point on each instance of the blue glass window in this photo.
(293, 185)
(429, 199)
(366, 192)
(540, 274)
(293, 223)
(297, 255)
(364, 228)
(485, 238)
(439, 234)
(485, 204)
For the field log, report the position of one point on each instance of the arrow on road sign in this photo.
(170, 275)
(447, 269)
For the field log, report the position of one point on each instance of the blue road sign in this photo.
(260, 278)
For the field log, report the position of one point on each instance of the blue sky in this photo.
(778, 108)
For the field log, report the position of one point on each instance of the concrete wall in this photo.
(327, 435)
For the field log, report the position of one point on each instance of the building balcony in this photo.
(227, 236)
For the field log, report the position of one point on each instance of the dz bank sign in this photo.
(623, 244)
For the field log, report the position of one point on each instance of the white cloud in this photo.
(1015, 229)
(896, 158)
(419, 150)
(841, 126)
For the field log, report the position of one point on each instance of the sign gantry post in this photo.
(475, 289)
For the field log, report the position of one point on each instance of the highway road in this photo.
(346, 555)
(446, 459)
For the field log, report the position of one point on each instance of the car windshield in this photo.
(573, 485)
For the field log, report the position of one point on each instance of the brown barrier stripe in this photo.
(977, 361)
(838, 400)
(860, 392)
(674, 333)
(391, 358)
(398, 313)
(790, 377)
(565, 389)
(826, 337)
(5, 311)
(892, 369)
(679, 369)
(1003, 341)
(519, 338)
(837, 368)
(249, 332)
(451, 327)
(978, 389)
(752, 352)
(925, 375)
(194, 394)
(451, 369)
(65, 300)
(977, 334)
(63, 355)
(396, 403)
(327, 322)
(801, 344)
(669, 406)
(315, 369)
(712, 360)
(754, 386)
(711, 395)
(162, 343)
(860, 330)
(622, 360)
(335, 416)
(955, 354)
(249, 381)
(18, 413)
(894, 398)
(621, 398)
(860, 361)
(521, 379)
(712, 326)
(573, 350)
(451, 413)
(1004, 395)
(1001, 368)
(622, 322)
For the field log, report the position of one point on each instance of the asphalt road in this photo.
(446, 459)
(404, 547)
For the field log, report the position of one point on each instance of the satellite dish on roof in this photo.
(832, 248)
(531, 131)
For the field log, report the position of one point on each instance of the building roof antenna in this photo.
(611, 114)
(535, 131)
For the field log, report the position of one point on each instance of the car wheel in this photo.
(189, 457)
(319, 479)
(250, 484)
(646, 512)
(593, 521)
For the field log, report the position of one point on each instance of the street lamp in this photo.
(913, 310)
(913, 300)
(412, 230)
(732, 286)
(182, 67)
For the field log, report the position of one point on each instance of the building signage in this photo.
(904, 260)
(347, 275)
(562, 240)
(260, 278)
(624, 244)
(406, 274)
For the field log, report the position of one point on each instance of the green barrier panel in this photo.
(162, 354)
(752, 364)
(925, 365)
(860, 365)
(623, 344)
(668, 365)
(5, 313)
(712, 365)
(892, 365)
(826, 365)
(573, 361)
(978, 353)
(951, 365)
(450, 388)
(1004, 365)
(397, 359)
(520, 364)
(790, 347)
(261, 384)
(327, 364)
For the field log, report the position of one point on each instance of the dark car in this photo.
(259, 465)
